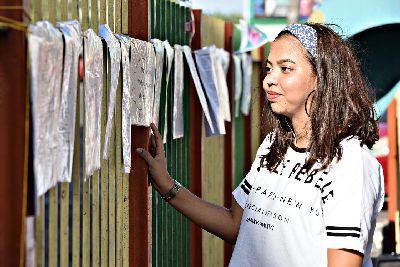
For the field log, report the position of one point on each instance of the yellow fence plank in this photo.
(125, 218)
(94, 11)
(64, 9)
(104, 173)
(118, 16)
(118, 163)
(39, 233)
(95, 220)
(53, 230)
(110, 10)
(74, 9)
(76, 191)
(103, 12)
(125, 16)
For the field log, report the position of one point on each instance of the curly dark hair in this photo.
(342, 105)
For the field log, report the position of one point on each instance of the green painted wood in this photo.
(125, 233)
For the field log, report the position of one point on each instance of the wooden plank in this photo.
(125, 218)
(111, 199)
(52, 11)
(118, 16)
(64, 227)
(104, 168)
(53, 229)
(74, 9)
(124, 16)
(228, 149)
(37, 10)
(85, 15)
(118, 164)
(196, 171)
(64, 10)
(39, 233)
(94, 13)
(76, 189)
(85, 221)
(110, 19)
(95, 219)
(138, 26)
(103, 12)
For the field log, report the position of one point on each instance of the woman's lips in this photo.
(271, 96)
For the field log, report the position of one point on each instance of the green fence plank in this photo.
(103, 12)
(110, 19)
(94, 15)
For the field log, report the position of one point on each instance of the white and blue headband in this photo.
(307, 36)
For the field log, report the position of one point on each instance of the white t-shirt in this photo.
(290, 218)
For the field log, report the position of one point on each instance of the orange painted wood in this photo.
(392, 162)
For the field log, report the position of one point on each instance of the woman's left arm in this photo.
(344, 258)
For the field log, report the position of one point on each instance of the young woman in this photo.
(314, 190)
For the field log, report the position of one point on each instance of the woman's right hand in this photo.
(159, 176)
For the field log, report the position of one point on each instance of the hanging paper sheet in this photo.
(224, 58)
(178, 120)
(159, 49)
(115, 56)
(217, 57)
(126, 103)
(45, 54)
(238, 82)
(197, 84)
(93, 84)
(247, 67)
(170, 58)
(142, 81)
(66, 124)
(205, 66)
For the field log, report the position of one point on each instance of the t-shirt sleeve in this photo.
(351, 204)
(243, 190)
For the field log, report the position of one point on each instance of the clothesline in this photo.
(54, 56)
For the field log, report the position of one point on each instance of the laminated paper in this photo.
(170, 58)
(159, 50)
(178, 120)
(247, 67)
(93, 84)
(126, 103)
(238, 83)
(46, 55)
(218, 59)
(142, 81)
(206, 68)
(115, 57)
(199, 89)
(67, 109)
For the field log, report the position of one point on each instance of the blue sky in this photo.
(220, 6)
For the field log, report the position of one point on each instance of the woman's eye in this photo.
(267, 70)
(286, 69)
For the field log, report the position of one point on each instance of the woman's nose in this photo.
(269, 80)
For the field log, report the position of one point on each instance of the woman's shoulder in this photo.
(353, 152)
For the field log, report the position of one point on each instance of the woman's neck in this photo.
(302, 131)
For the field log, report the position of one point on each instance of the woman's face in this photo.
(289, 78)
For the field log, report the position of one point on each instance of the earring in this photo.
(305, 104)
